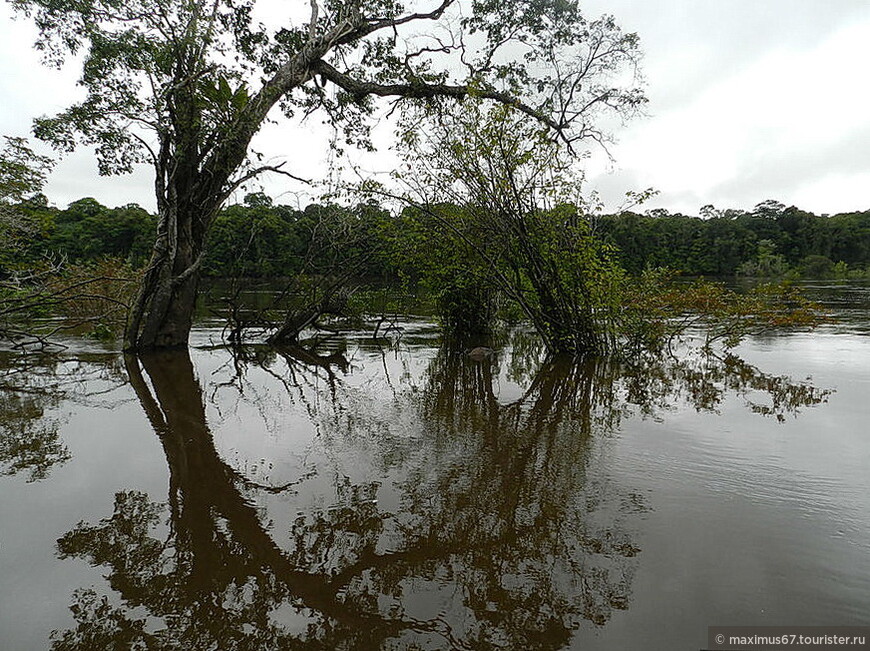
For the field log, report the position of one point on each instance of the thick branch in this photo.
(360, 89)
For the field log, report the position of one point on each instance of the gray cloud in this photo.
(691, 45)
(782, 173)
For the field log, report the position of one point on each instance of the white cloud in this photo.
(833, 193)
(787, 103)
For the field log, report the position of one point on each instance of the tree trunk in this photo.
(162, 313)
(172, 328)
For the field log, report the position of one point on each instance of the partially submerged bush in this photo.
(498, 206)
(658, 309)
(90, 298)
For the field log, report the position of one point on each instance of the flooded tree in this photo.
(185, 86)
(207, 566)
(508, 199)
(498, 207)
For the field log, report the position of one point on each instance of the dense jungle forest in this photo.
(258, 238)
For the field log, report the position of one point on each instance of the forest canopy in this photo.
(256, 238)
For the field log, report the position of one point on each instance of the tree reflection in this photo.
(31, 390)
(497, 526)
(216, 575)
(536, 531)
(29, 441)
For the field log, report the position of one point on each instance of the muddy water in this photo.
(401, 495)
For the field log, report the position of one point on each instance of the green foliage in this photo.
(261, 240)
(91, 298)
(502, 199)
(441, 267)
(22, 171)
(817, 266)
(658, 310)
(95, 295)
(767, 263)
(764, 243)
(185, 86)
(493, 189)
(22, 175)
(202, 76)
(453, 255)
(87, 230)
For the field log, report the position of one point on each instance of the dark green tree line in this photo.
(258, 239)
(724, 241)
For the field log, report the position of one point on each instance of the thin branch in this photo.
(392, 23)
(234, 185)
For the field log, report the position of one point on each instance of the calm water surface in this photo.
(400, 495)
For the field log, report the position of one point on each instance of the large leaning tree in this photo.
(186, 84)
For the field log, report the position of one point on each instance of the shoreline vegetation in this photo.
(491, 228)
(85, 261)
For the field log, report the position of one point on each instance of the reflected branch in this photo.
(32, 389)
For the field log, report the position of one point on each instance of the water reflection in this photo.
(32, 388)
(30, 442)
(485, 518)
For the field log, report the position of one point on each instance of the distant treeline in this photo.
(771, 240)
(260, 239)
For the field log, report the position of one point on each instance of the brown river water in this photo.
(398, 494)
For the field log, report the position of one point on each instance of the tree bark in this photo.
(162, 313)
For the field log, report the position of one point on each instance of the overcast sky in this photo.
(749, 100)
